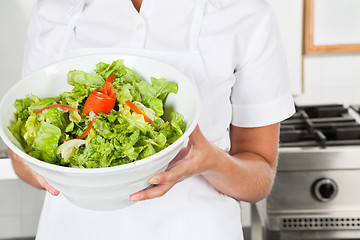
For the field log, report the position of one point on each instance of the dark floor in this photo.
(246, 231)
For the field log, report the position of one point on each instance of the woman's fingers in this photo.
(46, 185)
(152, 192)
(175, 174)
(163, 182)
(49, 188)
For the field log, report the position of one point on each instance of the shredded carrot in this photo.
(57, 105)
(137, 110)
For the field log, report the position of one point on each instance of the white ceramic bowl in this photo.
(101, 188)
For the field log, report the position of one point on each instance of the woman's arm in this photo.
(29, 176)
(246, 173)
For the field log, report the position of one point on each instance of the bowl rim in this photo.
(127, 166)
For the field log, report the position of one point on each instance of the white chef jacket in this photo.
(231, 50)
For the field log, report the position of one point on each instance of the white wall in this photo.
(289, 18)
(336, 22)
(14, 15)
(331, 78)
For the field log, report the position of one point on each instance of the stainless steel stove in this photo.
(316, 193)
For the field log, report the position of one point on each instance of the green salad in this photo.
(110, 117)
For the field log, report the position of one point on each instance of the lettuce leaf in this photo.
(163, 87)
(124, 93)
(46, 142)
(153, 95)
(15, 130)
(53, 116)
(81, 78)
(157, 106)
(123, 74)
(31, 128)
(76, 96)
(22, 107)
(174, 129)
(69, 149)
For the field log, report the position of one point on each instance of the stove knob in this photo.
(325, 189)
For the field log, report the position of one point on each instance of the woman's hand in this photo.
(246, 173)
(198, 157)
(30, 176)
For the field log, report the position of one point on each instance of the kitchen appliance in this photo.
(316, 193)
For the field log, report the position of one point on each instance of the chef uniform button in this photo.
(140, 26)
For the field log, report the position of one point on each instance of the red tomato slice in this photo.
(102, 101)
(110, 78)
(108, 89)
(99, 102)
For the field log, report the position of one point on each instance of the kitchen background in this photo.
(322, 78)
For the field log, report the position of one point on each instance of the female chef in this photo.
(231, 50)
